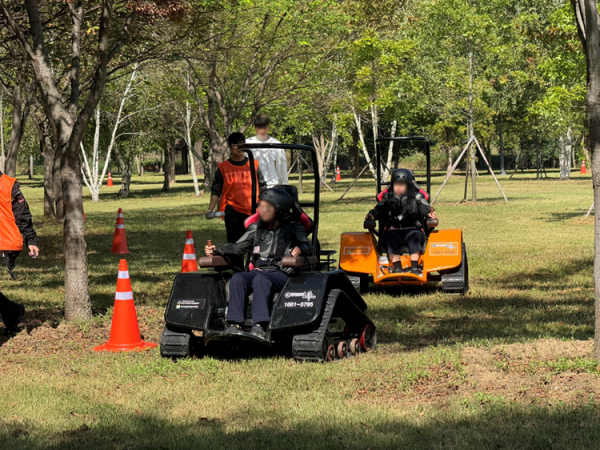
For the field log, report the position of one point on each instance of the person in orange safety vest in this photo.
(232, 189)
(16, 225)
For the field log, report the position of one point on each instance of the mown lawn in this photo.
(507, 366)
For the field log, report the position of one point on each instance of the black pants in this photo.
(396, 239)
(234, 224)
(262, 283)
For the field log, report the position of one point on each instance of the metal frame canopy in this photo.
(399, 139)
(247, 148)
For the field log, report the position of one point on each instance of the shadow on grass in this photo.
(507, 316)
(491, 423)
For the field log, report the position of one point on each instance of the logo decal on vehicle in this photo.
(306, 295)
(443, 249)
(357, 250)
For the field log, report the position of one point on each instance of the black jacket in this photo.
(22, 214)
(401, 212)
(269, 244)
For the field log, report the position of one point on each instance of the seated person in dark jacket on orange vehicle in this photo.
(401, 212)
(273, 237)
(232, 188)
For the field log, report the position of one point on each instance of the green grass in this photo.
(449, 371)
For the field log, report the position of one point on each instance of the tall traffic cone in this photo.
(189, 263)
(124, 331)
(119, 245)
(583, 169)
(338, 175)
(109, 182)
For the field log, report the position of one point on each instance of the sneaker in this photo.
(234, 328)
(258, 331)
(12, 323)
(417, 271)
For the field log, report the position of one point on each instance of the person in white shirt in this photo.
(272, 161)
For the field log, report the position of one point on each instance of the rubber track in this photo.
(455, 282)
(311, 346)
(175, 344)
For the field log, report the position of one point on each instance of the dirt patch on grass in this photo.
(44, 334)
(546, 371)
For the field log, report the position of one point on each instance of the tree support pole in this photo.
(352, 184)
(452, 169)
(490, 169)
(589, 211)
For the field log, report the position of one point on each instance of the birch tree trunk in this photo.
(363, 144)
(190, 145)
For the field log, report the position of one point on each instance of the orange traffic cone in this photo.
(119, 245)
(338, 175)
(583, 169)
(124, 331)
(109, 182)
(189, 263)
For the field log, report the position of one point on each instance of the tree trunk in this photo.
(586, 14)
(363, 144)
(47, 151)
(199, 158)
(501, 136)
(31, 166)
(166, 164)
(57, 184)
(77, 298)
(20, 114)
(471, 125)
(354, 153)
(139, 167)
(171, 165)
(126, 172)
(538, 150)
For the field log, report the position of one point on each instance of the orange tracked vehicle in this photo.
(444, 258)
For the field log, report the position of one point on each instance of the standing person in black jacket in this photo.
(16, 225)
(273, 237)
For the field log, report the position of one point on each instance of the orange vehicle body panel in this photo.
(359, 253)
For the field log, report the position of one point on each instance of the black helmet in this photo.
(281, 201)
(402, 176)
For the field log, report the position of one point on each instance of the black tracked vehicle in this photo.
(317, 316)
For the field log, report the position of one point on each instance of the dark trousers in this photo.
(234, 224)
(262, 283)
(398, 238)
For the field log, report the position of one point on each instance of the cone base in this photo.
(140, 346)
(126, 252)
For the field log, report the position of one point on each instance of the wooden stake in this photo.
(352, 184)
(490, 169)
(467, 179)
(589, 211)
(452, 169)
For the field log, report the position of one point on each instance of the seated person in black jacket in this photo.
(401, 211)
(273, 237)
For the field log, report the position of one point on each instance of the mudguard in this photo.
(301, 301)
(194, 298)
